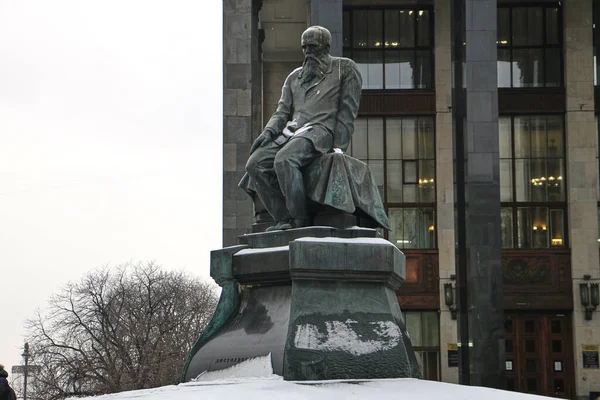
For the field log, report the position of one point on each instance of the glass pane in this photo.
(391, 25)
(554, 127)
(426, 141)
(504, 137)
(412, 227)
(426, 183)
(510, 384)
(527, 68)
(504, 67)
(555, 183)
(376, 168)
(557, 346)
(346, 29)
(559, 385)
(409, 193)
(530, 326)
(537, 131)
(539, 180)
(552, 28)
(530, 346)
(417, 229)
(422, 73)
(431, 329)
(524, 228)
(556, 234)
(423, 28)
(359, 28)
(413, 327)
(375, 130)
(556, 327)
(410, 171)
(531, 365)
(396, 223)
(522, 145)
(540, 227)
(506, 228)
(359, 139)
(407, 28)
(532, 385)
(370, 65)
(430, 365)
(523, 180)
(527, 26)
(508, 346)
(409, 139)
(375, 29)
(553, 64)
(399, 69)
(505, 180)
(394, 181)
(393, 133)
(508, 326)
(503, 26)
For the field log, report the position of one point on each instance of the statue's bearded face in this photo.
(315, 46)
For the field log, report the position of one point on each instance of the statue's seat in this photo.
(337, 186)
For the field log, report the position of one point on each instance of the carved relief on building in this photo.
(537, 279)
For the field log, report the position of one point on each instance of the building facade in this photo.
(546, 159)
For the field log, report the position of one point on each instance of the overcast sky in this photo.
(110, 143)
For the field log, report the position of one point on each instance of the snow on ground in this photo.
(254, 379)
(278, 389)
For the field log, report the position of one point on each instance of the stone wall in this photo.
(581, 177)
(444, 177)
(240, 66)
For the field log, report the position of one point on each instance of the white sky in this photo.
(110, 143)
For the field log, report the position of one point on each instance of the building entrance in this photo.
(539, 358)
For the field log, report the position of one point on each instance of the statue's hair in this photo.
(324, 34)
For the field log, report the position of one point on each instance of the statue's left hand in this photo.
(261, 140)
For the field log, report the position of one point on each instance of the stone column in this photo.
(475, 107)
(444, 177)
(328, 14)
(581, 178)
(241, 108)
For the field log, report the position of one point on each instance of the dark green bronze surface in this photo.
(324, 308)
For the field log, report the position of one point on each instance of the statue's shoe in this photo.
(279, 226)
(289, 224)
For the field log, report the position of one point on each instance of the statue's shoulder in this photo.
(295, 72)
(344, 61)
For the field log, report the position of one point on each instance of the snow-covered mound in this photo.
(276, 389)
(254, 379)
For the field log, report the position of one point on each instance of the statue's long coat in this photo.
(332, 102)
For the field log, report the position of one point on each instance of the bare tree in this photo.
(122, 328)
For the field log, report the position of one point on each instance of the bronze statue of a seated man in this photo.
(316, 113)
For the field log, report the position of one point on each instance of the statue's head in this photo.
(316, 41)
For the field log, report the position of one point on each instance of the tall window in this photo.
(424, 331)
(532, 181)
(401, 155)
(392, 47)
(530, 46)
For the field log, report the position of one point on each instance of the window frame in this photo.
(384, 195)
(544, 46)
(515, 205)
(349, 50)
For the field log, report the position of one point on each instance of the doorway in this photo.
(539, 357)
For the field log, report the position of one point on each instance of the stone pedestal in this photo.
(321, 301)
